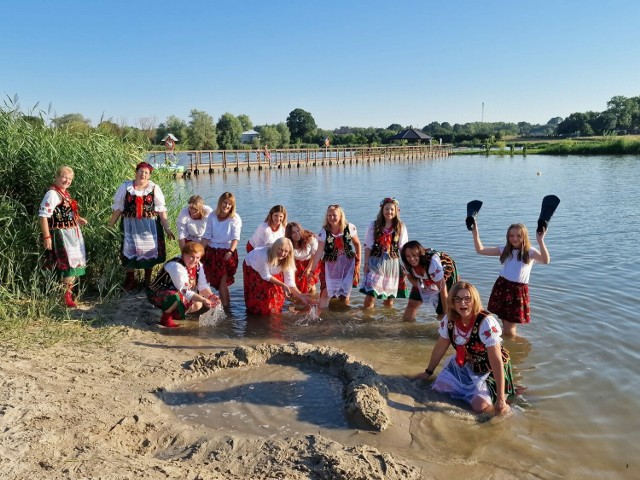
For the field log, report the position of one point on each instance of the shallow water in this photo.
(577, 360)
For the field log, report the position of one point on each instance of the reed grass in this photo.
(30, 154)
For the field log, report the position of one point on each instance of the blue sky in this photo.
(354, 63)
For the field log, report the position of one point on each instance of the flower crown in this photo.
(389, 200)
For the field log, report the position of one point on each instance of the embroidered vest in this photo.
(64, 215)
(136, 206)
(330, 249)
(476, 350)
(164, 282)
(377, 250)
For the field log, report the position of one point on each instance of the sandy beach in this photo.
(93, 411)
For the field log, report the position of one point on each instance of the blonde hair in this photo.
(197, 202)
(64, 168)
(343, 219)
(287, 263)
(226, 196)
(476, 303)
(523, 254)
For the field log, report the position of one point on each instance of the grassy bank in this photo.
(629, 145)
(29, 156)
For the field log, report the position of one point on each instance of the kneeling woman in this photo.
(181, 286)
(268, 274)
(480, 371)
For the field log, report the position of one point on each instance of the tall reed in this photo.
(30, 154)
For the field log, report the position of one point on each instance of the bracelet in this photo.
(428, 372)
(46, 238)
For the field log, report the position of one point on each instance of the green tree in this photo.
(285, 134)
(229, 131)
(110, 128)
(395, 127)
(270, 135)
(245, 121)
(72, 122)
(301, 125)
(202, 131)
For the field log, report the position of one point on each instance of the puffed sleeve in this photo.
(181, 223)
(118, 198)
(368, 238)
(313, 243)
(436, 272)
(50, 201)
(404, 236)
(442, 328)
(490, 331)
(158, 200)
(289, 278)
(236, 227)
(208, 229)
(353, 230)
(322, 235)
(180, 278)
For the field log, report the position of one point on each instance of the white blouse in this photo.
(220, 233)
(158, 197)
(258, 259)
(489, 332)
(180, 278)
(190, 229)
(264, 235)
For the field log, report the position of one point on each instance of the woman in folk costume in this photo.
(270, 230)
(383, 276)
(181, 286)
(61, 236)
(339, 250)
(305, 246)
(140, 203)
(268, 274)
(220, 239)
(192, 220)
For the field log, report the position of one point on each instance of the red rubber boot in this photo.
(167, 320)
(68, 298)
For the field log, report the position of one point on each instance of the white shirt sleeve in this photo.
(442, 328)
(49, 203)
(118, 198)
(436, 272)
(404, 237)
(158, 200)
(181, 223)
(490, 331)
(368, 238)
(202, 280)
(180, 278)
(236, 227)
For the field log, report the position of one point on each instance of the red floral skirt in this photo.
(215, 266)
(249, 246)
(510, 301)
(261, 297)
(164, 299)
(302, 282)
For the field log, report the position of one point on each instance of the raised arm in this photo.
(544, 253)
(481, 249)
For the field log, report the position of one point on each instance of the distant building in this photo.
(248, 136)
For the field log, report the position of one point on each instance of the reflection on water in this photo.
(576, 361)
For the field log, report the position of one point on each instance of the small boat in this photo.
(170, 166)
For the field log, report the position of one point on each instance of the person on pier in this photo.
(141, 204)
(339, 251)
(270, 230)
(220, 239)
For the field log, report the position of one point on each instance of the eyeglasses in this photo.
(462, 299)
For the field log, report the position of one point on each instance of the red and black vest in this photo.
(331, 250)
(64, 214)
(139, 206)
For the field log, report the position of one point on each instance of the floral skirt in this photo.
(261, 297)
(67, 255)
(164, 299)
(215, 266)
(302, 282)
(384, 278)
(510, 301)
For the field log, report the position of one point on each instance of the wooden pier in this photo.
(211, 161)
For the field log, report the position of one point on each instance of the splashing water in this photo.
(212, 316)
(310, 317)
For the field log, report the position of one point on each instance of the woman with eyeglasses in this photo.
(480, 370)
(268, 274)
(386, 235)
(339, 249)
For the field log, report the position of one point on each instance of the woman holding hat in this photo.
(141, 204)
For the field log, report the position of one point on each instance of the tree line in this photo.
(202, 132)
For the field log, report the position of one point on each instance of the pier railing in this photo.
(210, 161)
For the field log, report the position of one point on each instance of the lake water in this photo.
(578, 416)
